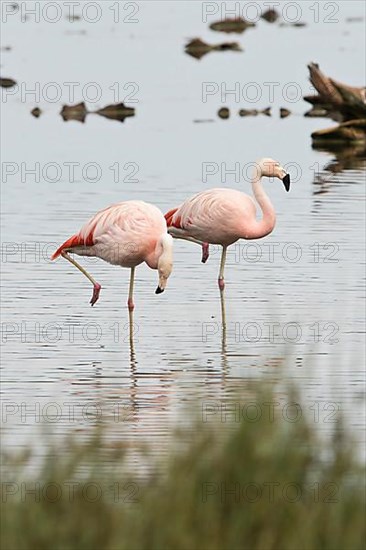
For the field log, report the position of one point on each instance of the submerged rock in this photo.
(284, 112)
(73, 18)
(36, 112)
(7, 82)
(224, 113)
(202, 120)
(356, 19)
(270, 16)
(297, 24)
(237, 25)
(117, 111)
(74, 112)
(255, 112)
(81, 32)
(197, 48)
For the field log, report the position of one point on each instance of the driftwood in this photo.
(335, 97)
(351, 131)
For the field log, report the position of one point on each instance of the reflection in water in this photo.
(133, 379)
(224, 358)
(118, 111)
(74, 112)
(197, 48)
(235, 25)
(346, 157)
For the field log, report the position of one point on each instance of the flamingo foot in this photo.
(130, 305)
(96, 292)
(221, 284)
(205, 252)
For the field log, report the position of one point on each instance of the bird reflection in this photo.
(224, 362)
(133, 376)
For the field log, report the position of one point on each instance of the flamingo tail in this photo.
(169, 218)
(75, 240)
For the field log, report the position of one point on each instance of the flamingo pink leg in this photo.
(205, 252)
(96, 292)
(96, 286)
(130, 304)
(221, 280)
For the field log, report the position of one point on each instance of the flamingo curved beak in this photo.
(286, 182)
(159, 290)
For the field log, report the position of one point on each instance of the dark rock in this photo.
(36, 112)
(237, 25)
(197, 48)
(74, 112)
(7, 82)
(270, 16)
(224, 113)
(284, 112)
(118, 111)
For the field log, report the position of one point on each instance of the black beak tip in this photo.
(286, 182)
(159, 290)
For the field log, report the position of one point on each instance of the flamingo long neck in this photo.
(163, 252)
(268, 221)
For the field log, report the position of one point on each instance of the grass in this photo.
(259, 485)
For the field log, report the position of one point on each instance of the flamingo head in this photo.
(165, 261)
(272, 168)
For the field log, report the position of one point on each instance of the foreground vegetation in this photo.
(268, 484)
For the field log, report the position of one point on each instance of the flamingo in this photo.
(126, 234)
(222, 216)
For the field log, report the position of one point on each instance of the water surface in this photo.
(60, 355)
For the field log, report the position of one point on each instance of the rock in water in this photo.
(74, 112)
(7, 82)
(224, 113)
(36, 112)
(237, 25)
(270, 16)
(117, 111)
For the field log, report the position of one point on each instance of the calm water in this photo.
(297, 294)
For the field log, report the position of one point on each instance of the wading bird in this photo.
(126, 234)
(222, 216)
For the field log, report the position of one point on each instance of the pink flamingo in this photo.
(126, 234)
(222, 216)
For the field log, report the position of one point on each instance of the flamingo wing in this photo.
(131, 220)
(212, 216)
(85, 237)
